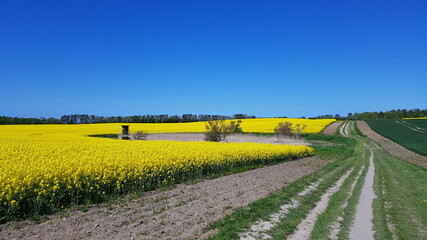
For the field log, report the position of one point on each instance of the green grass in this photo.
(335, 207)
(113, 136)
(340, 150)
(413, 140)
(357, 131)
(338, 147)
(405, 195)
(243, 218)
(306, 204)
(400, 208)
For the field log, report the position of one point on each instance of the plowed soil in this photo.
(332, 128)
(184, 212)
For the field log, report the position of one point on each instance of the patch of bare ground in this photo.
(391, 147)
(237, 138)
(184, 212)
(331, 129)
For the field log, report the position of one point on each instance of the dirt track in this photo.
(184, 212)
(391, 147)
(237, 138)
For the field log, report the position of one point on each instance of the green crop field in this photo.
(410, 133)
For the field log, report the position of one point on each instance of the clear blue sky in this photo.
(264, 58)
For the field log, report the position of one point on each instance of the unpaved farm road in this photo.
(184, 212)
(363, 227)
(362, 224)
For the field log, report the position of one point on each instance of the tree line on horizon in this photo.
(88, 119)
(392, 114)
(164, 118)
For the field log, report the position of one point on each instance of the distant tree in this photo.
(189, 118)
(391, 115)
(240, 116)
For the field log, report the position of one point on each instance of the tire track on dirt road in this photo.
(335, 227)
(345, 129)
(259, 229)
(413, 128)
(306, 226)
(362, 228)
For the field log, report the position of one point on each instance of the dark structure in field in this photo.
(125, 132)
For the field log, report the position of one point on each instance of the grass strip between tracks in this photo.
(343, 204)
(242, 219)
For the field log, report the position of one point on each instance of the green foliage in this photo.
(113, 136)
(392, 114)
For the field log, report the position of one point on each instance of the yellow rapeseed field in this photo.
(47, 167)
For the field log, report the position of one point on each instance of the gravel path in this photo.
(362, 228)
(391, 147)
(184, 212)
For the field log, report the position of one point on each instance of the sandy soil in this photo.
(184, 212)
(332, 128)
(238, 138)
(363, 226)
(391, 147)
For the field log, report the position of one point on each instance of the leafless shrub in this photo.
(235, 127)
(217, 131)
(283, 129)
(140, 135)
(299, 129)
